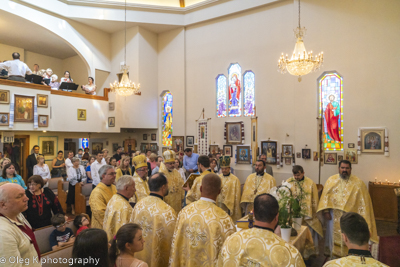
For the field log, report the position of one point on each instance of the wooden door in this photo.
(129, 146)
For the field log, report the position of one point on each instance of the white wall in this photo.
(44, 62)
(7, 50)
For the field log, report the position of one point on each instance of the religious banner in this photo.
(202, 137)
(254, 142)
(320, 145)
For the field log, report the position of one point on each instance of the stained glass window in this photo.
(166, 108)
(248, 91)
(221, 96)
(235, 92)
(331, 109)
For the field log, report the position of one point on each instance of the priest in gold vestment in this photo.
(260, 246)
(101, 195)
(201, 229)
(343, 193)
(256, 184)
(157, 219)
(175, 182)
(119, 211)
(229, 198)
(355, 234)
(140, 178)
(306, 190)
(194, 193)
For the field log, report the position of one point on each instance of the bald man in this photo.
(16, 235)
(199, 225)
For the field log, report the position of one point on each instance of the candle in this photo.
(387, 181)
(375, 179)
(380, 181)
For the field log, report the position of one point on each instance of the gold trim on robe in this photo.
(98, 201)
(354, 261)
(347, 196)
(175, 183)
(117, 214)
(200, 232)
(194, 193)
(157, 220)
(142, 189)
(258, 247)
(229, 198)
(254, 186)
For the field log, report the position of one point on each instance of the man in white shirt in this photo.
(16, 68)
(95, 167)
(68, 161)
(105, 154)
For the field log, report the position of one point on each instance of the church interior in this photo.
(217, 76)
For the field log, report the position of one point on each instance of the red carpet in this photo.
(389, 250)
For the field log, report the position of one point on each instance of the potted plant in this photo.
(298, 206)
(284, 196)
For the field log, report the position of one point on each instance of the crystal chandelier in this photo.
(301, 62)
(125, 87)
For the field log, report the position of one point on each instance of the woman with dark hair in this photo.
(81, 222)
(67, 78)
(90, 88)
(125, 244)
(9, 175)
(58, 165)
(91, 243)
(42, 202)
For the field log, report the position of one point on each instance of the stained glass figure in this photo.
(331, 109)
(248, 91)
(221, 96)
(235, 86)
(167, 119)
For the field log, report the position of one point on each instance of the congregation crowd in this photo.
(17, 70)
(145, 213)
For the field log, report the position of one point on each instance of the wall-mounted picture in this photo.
(306, 153)
(154, 147)
(227, 150)
(330, 158)
(298, 155)
(243, 155)
(214, 149)
(339, 158)
(351, 155)
(287, 151)
(81, 114)
(269, 148)
(351, 145)
(144, 137)
(144, 147)
(111, 106)
(47, 148)
(96, 147)
(288, 161)
(115, 147)
(177, 143)
(153, 137)
(42, 101)
(233, 133)
(202, 132)
(190, 140)
(111, 122)
(43, 120)
(315, 156)
(4, 97)
(4, 119)
(23, 108)
(372, 140)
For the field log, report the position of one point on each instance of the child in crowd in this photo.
(62, 235)
(81, 222)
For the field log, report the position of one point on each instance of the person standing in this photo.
(268, 169)
(124, 168)
(178, 167)
(157, 168)
(101, 195)
(256, 184)
(16, 69)
(90, 88)
(260, 246)
(201, 229)
(9, 175)
(190, 161)
(16, 234)
(117, 155)
(76, 174)
(194, 193)
(32, 160)
(343, 193)
(105, 155)
(95, 167)
(58, 165)
(68, 161)
(42, 170)
(118, 211)
(176, 193)
(140, 177)
(158, 225)
(229, 198)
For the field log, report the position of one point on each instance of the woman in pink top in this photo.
(153, 161)
(125, 244)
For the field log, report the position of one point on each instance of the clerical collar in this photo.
(264, 228)
(302, 179)
(209, 170)
(156, 195)
(227, 175)
(359, 252)
(260, 174)
(127, 199)
(208, 199)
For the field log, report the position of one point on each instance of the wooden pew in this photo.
(82, 194)
(53, 184)
(62, 194)
(52, 258)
